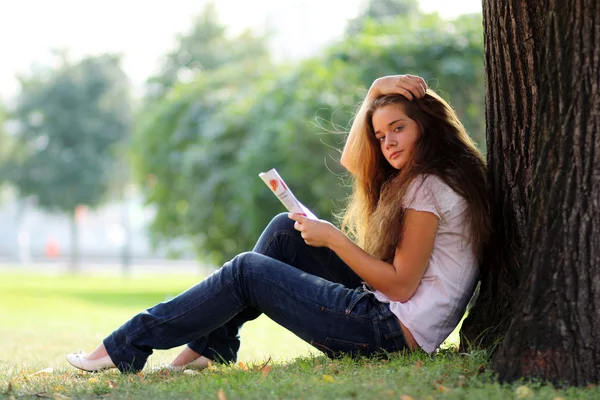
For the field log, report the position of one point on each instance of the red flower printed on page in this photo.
(273, 183)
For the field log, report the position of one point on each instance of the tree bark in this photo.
(555, 332)
(513, 32)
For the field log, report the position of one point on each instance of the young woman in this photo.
(399, 278)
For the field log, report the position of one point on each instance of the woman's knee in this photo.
(281, 223)
(245, 263)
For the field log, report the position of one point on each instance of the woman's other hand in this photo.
(315, 232)
(410, 86)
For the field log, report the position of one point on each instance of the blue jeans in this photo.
(308, 290)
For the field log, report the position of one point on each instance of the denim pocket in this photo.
(335, 348)
(355, 308)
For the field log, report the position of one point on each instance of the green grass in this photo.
(44, 317)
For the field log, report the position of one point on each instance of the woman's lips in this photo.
(395, 154)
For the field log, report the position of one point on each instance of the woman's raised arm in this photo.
(410, 86)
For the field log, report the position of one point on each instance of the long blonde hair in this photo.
(374, 216)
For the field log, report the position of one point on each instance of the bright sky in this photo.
(144, 30)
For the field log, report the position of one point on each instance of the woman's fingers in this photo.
(420, 83)
(411, 84)
(402, 89)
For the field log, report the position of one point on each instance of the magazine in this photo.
(272, 179)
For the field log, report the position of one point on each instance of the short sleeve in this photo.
(429, 193)
(420, 196)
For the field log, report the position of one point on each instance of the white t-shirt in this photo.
(449, 280)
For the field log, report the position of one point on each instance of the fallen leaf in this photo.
(93, 380)
(243, 366)
(418, 365)
(58, 396)
(590, 386)
(481, 369)
(112, 385)
(264, 364)
(265, 371)
(333, 369)
(442, 389)
(406, 397)
(523, 392)
(221, 395)
(212, 367)
(328, 378)
(45, 371)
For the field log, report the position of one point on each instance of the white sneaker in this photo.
(79, 360)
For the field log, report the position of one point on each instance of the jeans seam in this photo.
(151, 326)
(309, 300)
(399, 339)
(377, 333)
(323, 264)
(266, 247)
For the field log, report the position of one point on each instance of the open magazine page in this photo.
(272, 179)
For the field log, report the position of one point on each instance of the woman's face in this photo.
(396, 134)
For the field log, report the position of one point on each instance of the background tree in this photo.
(447, 53)
(181, 125)
(540, 295)
(5, 144)
(70, 120)
(199, 149)
(382, 10)
(206, 48)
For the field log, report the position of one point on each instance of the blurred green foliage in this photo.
(221, 112)
(68, 122)
(5, 142)
(382, 11)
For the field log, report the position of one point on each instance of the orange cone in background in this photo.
(52, 248)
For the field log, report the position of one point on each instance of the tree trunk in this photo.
(555, 331)
(126, 223)
(74, 261)
(512, 35)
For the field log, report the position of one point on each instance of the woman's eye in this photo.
(399, 128)
(381, 138)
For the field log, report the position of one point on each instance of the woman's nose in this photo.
(390, 141)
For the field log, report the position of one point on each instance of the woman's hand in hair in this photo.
(410, 86)
(315, 232)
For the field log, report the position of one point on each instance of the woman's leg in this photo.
(281, 242)
(325, 314)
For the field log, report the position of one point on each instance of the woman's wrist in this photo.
(336, 239)
(374, 89)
